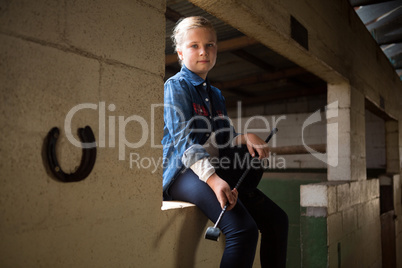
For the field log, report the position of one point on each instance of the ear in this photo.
(180, 54)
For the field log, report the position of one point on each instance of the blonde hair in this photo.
(185, 24)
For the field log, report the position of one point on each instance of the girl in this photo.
(197, 134)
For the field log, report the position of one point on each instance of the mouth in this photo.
(203, 61)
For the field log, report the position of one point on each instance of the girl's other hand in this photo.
(256, 144)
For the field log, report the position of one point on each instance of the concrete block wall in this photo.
(351, 212)
(55, 55)
(290, 125)
(290, 133)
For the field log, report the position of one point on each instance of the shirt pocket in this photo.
(200, 109)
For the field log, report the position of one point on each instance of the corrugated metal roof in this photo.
(383, 20)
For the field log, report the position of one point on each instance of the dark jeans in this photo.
(254, 211)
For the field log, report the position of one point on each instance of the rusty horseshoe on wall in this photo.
(87, 160)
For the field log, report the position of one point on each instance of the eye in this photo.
(211, 45)
(194, 46)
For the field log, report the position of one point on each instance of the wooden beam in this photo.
(223, 46)
(250, 101)
(260, 78)
(172, 15)
(298, 149)
(254, 60)
(241, 93)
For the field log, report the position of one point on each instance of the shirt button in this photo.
(204, 84)
(206, 99)
(207, 135)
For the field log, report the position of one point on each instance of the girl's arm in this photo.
(254, 144)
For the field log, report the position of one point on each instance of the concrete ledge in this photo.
(166, 205)
(338, 196)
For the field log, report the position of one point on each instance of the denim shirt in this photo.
(188, 122)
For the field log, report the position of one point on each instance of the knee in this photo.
(247, 235)
(251, 232)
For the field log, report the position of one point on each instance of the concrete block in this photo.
(358, 144)
(296, 107)
(137, 92)
(40, 20)
(372, 243)
(343, 196)
(343, 143)
(358, 168)
(341, 172)
(313, 195)
(334, 226)
(397, 194)
(373, 188)
(319, 195)
(253, 110)
(343, 120)
(368, 212)
(363, 217)
(341, 93)
(271, 109)
(355, 192)
(135, 36)
(37, 90)
(258, 124)
(349, 220)
(332, 199)
(348, 251)
(333, 255)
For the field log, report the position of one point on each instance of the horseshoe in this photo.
(87, 160)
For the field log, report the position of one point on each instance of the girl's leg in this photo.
(271, 220)
(237, 225)
(273, 224)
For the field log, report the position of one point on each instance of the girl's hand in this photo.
(254, 143)
(222, 191)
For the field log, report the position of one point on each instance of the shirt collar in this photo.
(195, 79)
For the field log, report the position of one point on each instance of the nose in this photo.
(203, 51)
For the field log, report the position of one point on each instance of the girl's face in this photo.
(198, 51)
